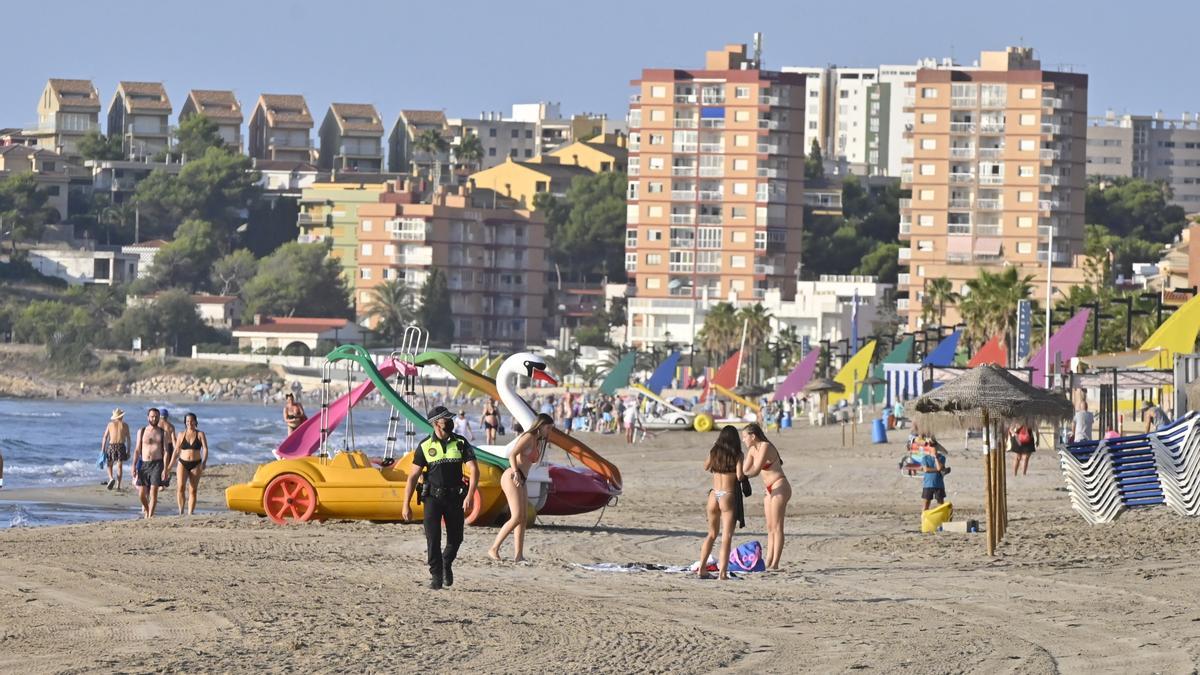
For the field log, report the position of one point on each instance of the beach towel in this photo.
(100, 462)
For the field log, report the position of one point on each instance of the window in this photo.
(654, 235)
(1028, 145)
(928, 169)
(49, 166)
(631, 237)
(741, 92)
(737, 285)
(928, 118)
(741, 141)
(656, 139)
(1024, 247)
(813, 93)
(389, 273)
(737, 261)
(654, 187)
(738, 237)
(529, 133)
(928, 143)
(1028, 93)
(653, 283)
(658, 91)
(654, 211)
(925, 220)
(658, 115)
(364, 273)
(681, 261)
(367, 225)
(368, 249)
(1025, 171)
(492, 132)
(1028, 119)
(528, 153)
(741, 165)
(925, 245)
(760, 241)
(540, 186)
(516, 133)
(514, 153)
(926, 92)
(708, 262)
(656, 163)
(491, 151)
(708, 237)
(925, 195)
(812, 125)
(389, 249)
(741, 189)
(741, 116)
(738, 212)
(1025, 221)
(653, 258)
(1025, 197)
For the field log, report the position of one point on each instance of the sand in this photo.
(861, 588)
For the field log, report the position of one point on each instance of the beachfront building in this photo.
(997, 166)
(494, 259)
(599, 154)
(280, 128)
(329, 211)
(1151, 148)
(715, 205)
(49, 170)
(67, 109)
(555, 131)
(403, 155)
(502, 139)
(351, 138)
(220, 106)
(522, 181)
(294, 335)
(139, 115)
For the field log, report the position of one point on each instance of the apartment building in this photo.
(67, 109)
(409, 126)
(501, 139)
(139, 115)
(220, 106)
(522, 181)
(599, 154)
(280, 128)
(49, 171)
(716, 193)
(555, 131)
(494, 259)
(329, 211)
(351, 138)
(1149, 147)
(997, 168)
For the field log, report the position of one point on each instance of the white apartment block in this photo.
(1149, 147)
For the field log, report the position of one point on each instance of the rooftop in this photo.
(293, 325)
(361, 117)
(286, 110)
(436, 117)
(144, 96)
(217, 104)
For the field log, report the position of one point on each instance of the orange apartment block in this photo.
(997, 165)
(716, 191)
(494, 259)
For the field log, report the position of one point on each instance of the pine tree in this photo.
(435, 310)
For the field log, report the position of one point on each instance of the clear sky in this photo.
(469, 56)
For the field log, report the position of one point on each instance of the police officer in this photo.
(441, 457)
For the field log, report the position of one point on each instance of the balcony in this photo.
(712, 124)
(905, 203)
(958, 258)
(635, 146)
(768, 124)
(767, 269)
(768, 100)
(764, 172)
(680, 267)
(993, 102)
(1049, 179)
(1048, 128)
(988, 230)
(635, 98)
(960, 203)
(958, 228)
(1060, 257)
(1048, 154)
(309, 220)
(901, 304)
(906, 175)
(1047, 204)
(963, 102)
(683, 218)
(634, 170)
(685, 98)
(1047, 230)
(990, 153)
(903, 279)
(684, 123)
(418, 255)
(683, 195)
(962, 127)
(1050, 102)
(683, 171)
(683, 147)
(989, 204)
(712, 147)
(712, 100)
(905, 228)
(962, 177)
(904, 254)
(709, 220)
(962, 153)
(991, 127)
(712, 171)
(711, 196)
(991, 179)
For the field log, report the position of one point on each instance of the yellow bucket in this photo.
(932, 519)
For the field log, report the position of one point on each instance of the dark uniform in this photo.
(444, 493)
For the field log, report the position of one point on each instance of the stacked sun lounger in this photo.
(1108, 476)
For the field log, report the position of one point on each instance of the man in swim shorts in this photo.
(115, 446)
(151, 450)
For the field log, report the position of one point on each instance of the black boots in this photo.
(448, 572)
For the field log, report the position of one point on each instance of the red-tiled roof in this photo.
(214, 299)
(294, 325)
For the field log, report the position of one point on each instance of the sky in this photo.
(470, 56)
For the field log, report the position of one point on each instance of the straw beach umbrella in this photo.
(990, 397)
(822, 386)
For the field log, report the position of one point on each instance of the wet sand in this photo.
(860, 588)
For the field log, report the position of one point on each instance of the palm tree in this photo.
(433, 144)
(721, 331)
(938, 293)
(391, 305)
(469, 151)
(757, 322)
(990, 304)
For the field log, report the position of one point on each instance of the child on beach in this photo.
(725, 464)
(933, 483)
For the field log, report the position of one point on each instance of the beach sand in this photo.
(861, 589)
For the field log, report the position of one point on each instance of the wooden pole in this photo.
(988, 477)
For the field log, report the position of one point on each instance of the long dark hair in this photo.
(726, 453)
(756, 432)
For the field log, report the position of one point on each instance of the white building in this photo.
(822, 310)
(295, 335)
(500, 138)
(145, 252)
(103, 265)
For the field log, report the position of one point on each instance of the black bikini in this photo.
(189, 465)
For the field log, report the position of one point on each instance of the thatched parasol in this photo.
(990, 397)
(822, 386)
(1193, 393)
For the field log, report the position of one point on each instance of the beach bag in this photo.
(747, 558)
(1024, 437)
(932, 519)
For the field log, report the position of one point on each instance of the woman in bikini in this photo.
(491, 421)
(763, 458)
(526, 450)
(293, 413)
(725, 464)
(191, 450)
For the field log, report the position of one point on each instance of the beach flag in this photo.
(726, 375)
(943, 354)
(619, 376)
(663, 374)
(856, 370)
(901, 353)
(1176, 335)
(799, 376)
(1065, 341)
(993, 351)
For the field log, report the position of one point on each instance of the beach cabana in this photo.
(990, 398)
(877, 393)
